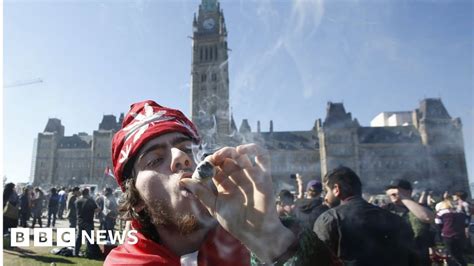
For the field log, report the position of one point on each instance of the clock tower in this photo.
(210, 73)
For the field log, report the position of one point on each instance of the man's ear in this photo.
(139, 206)
(336, 190)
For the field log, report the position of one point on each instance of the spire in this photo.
(245, 127)
(233, 127)
(54, 125)
(432, 108)
(336, 116)
(209, 5)
(120, 121)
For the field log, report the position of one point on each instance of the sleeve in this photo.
(94, 204)
(467, 208)
(326, 229)
(439, 216)
(13, 199)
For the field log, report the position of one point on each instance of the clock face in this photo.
(209, 23)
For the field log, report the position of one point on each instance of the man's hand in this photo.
(425, 215)
(404, 194)
(244, 204)
(299, 182)
(299, 178)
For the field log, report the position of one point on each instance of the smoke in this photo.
(302, 20)
(201, 151)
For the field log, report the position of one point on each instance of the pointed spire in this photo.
(54, 125)
(120, 121)
(209, 5)
(245, 127)
(233, 127)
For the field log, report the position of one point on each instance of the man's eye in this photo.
(187, 150)
(154, 162)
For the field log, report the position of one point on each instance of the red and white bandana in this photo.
(146, 120)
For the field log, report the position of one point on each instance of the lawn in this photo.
(41, 256)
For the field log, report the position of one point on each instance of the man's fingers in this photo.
(262, 158)
(222, 182)
(244, 161)
(234, 173)
(219, 156)
(201, 191)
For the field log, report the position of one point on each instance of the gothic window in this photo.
(214, 76)
(200, 54)
(211, 52)
(206, 54)
(203, 77)
(214, 89)
(215, 52)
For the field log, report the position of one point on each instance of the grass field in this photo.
(41, 256)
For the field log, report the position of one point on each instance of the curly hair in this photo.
(130, 198)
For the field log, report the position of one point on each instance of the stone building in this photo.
(424, 145)
(73, 160)
(210, 73)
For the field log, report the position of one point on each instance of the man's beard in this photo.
(161, 214)
(333, 203)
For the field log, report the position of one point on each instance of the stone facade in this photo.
(210, 73)
(73, 160)
(427, 149)
(424, 145)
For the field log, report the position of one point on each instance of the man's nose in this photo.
(179, 160)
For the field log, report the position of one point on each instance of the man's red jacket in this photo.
(219, 248)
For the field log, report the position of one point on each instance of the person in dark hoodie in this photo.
(309, 208)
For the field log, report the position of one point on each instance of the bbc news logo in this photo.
(66, 237)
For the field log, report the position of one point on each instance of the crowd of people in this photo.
(432, 221)
(180, 219)
(79, 206)
(235, 218)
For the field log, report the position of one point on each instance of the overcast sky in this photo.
(288, 59)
